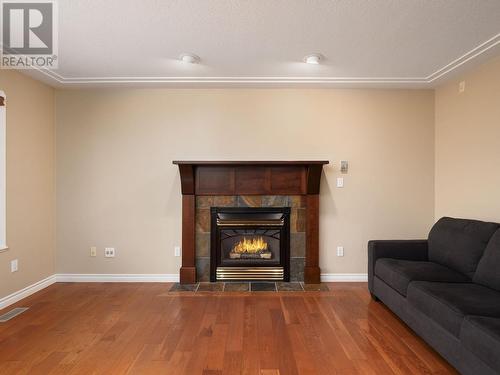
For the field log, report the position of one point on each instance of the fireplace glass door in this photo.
(250, 243)
(250, 246)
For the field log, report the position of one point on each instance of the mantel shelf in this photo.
(251, 162)
(263, 177)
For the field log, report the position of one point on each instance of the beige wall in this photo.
(116, 186)
(468, 145)
(30, 182)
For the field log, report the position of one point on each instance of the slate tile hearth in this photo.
(289, 287)
(236, 287)
(177, 287)
(210, 287)
(263, 287)
(253, 286)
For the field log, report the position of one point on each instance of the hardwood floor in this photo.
(140, 328)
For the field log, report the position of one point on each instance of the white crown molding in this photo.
(228, 80)
(419, 81)
(26, 292)
(466, 57)
(344, 277)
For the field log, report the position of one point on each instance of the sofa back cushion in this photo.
(488, 269)
(459, 243)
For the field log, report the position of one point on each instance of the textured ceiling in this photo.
(365, 42)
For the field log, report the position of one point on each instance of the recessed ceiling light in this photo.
(313, 59)
(189, 58)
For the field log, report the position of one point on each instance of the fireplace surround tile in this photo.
(203, 220)
(249, 201)
(225, 201)
(297, 201)
(297, 227)
(203, 201)
(203, 269)
(297, 245)
(297, 269)
(275, 201)
(202, 244)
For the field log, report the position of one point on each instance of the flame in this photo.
(251, 246)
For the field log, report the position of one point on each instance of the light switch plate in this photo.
(340, 251)
(461, 87)
(340, 182)
(14, 265)
(93, 251)
(177, 251)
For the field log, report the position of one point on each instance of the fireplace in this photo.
(221, 179)
(250, 243)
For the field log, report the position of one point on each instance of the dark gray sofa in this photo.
(447, 289)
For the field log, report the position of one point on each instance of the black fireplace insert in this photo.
(250, 243)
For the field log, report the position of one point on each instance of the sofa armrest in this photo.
(397, 249)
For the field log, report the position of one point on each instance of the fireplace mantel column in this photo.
(312, 272)
(187, 272)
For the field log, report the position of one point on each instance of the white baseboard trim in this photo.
(26, 292)
(117, 278)
(174, 277)
(344, 277)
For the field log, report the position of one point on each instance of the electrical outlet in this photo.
(177, 251)
(14, 265)
(93, 251)
(109, 252)
(340, 251)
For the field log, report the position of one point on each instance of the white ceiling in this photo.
(404, 43)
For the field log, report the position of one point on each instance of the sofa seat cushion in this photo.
(459, 243)
(399, 273)
(487, 272)
(448, 303)
(481, 336)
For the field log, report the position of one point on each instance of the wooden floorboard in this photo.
(141, 328)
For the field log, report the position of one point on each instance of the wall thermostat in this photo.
(344, 166)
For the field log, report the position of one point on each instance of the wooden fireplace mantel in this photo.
(250, 178)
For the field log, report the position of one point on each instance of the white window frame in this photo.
(3, 186)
